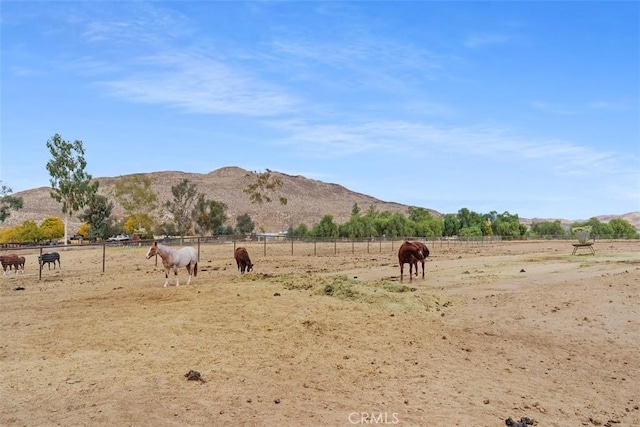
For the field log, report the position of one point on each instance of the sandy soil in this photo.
(494, 331)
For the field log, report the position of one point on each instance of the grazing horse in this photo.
(172, 258)
(49, 258)
(410, 253)
(425, 254)
(11, 260)
(243, 260)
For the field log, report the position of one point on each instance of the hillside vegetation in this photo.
(308, 200)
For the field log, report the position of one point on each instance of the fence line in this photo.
(269, 245)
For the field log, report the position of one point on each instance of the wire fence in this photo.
(105, 256)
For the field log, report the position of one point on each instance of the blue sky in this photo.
(527, 107)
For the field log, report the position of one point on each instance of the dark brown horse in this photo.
(243, 260)
(12, 260)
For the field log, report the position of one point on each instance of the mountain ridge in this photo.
(308, 200)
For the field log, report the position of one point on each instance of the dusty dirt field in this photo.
(494, 331)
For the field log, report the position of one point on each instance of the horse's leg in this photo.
(401, 270)
(175, 273)
(411, 271)
(166, 277)
(190, 271)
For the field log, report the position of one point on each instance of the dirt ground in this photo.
(494, 331)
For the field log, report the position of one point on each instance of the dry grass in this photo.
(313, 340)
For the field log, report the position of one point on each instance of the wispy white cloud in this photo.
(197, 83)
(360, 58)
(137, 22)
(388, 138)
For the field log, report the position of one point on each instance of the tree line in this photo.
(190, 212)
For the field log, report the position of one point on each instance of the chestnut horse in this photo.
(12, 260)
(173, 259)
(410, 253)
(425, 254)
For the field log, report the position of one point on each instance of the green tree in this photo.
(355, 209)
(451, 225)
(424, 224)
(302, 230)
(244, 224)
(98, 216)
(224, 230)
(623, 229)
(8, 202)
(598, 229)
(357, 226)
(135, 195)
(548, 228)
(70, 184)
(473, 231)
(469, 218)
(508, 225)
(209, 215)
(182, 206)
(393, 224)
(418, 214)
(325, 228)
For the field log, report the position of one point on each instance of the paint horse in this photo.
(174, 259)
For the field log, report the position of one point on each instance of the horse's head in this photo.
(153, 250)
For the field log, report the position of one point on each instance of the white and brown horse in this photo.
(174, 259)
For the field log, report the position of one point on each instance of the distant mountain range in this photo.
(308, 200)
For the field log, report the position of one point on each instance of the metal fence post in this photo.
(41, 264)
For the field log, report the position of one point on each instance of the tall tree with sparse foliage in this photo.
(8, 202)
(135, 195)
(182, 206)
(70, 184)
(209, 215)
(264, 185)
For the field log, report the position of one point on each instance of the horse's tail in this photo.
(195, 269)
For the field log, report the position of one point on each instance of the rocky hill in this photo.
(308, 200)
